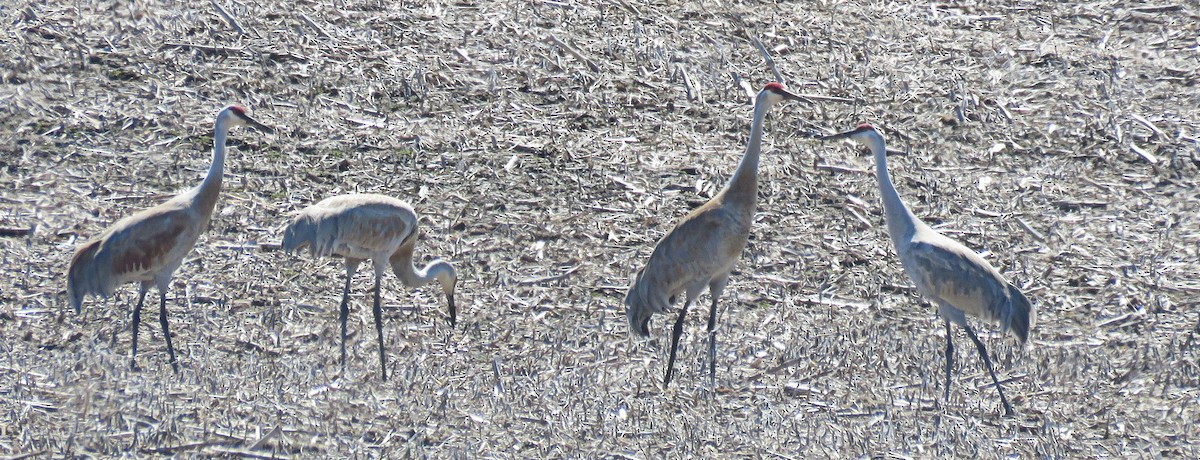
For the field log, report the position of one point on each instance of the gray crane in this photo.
(703, 248)
(149, 246)
(368, 226)
(954, 277)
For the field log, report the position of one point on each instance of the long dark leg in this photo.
(344, 310)
(675, 333)
(1008, 410)
(712, 345)
(162, 319)
(714, 289)
(379, 326)
(949, 360)
(137, 318)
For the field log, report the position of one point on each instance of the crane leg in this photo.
(137, 318)
(949, 360)
(344, 309)
(675, 333)
(162, 319)
(715, 289)
(379, 326)
(1008, 410)
(453, 309)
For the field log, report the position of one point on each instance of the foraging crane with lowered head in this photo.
(367, 226)
(150, 245)
(702, 249)
(953, 276)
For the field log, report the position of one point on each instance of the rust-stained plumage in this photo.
(701, 251)
(147, 247)
(954, 277)
(366, 226)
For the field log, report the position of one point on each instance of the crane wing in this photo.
(375, 228)
(355, 226)
(702, 247)
(950, 272)
(138, 246)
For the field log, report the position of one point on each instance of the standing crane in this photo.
(703, 248)
(957, 279)
(149, 246)
(367, 226)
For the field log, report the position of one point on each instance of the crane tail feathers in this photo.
(291, 237)
(300, 233)
(637, 307)
(82, 277)
(1021, 315)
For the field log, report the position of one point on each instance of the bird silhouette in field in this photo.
(150, 245)
(702, 249)
(367, 226)
(951, 275)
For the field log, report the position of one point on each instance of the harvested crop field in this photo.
(547, 146)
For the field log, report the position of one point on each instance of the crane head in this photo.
(856, 133)
(866, 134)
(777, 93)
(236, 115)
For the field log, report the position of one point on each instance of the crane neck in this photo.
(437, 270)
(208, 190)
(431, 272)
(743, 185)
(901, 222)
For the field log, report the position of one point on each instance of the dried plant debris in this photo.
(547, 146)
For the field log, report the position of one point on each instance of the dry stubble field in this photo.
(1058, 139)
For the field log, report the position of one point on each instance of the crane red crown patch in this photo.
(774, 86)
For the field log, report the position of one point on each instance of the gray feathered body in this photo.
(703, 248)
(363, 226)
(955, 278)
(960, 281)
(368, 226)
(951, 275)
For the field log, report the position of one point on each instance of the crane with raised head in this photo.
(702, 249)
(953, 276)
(147, 247)
(367, 226)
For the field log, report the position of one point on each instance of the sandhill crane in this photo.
(703, 248)
(367, 226)
(149, 246)
(957, 279)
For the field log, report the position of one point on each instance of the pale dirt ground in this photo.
(1060, 140)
